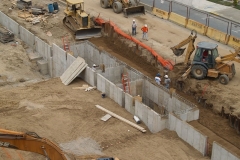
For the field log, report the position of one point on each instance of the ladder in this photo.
(65, 43)
(125, 82)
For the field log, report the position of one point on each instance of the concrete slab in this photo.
(73, 71)
(33, 56)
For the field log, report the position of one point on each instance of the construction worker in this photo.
(158, 79)
(94, 67)
(145, 31)
(134, 28)
(167, 81)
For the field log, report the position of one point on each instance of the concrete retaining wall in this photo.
(27, 36)
(153, 120)
(220, 153)
(42, 48)
(59, 61)
(10, 24)
(189, 134)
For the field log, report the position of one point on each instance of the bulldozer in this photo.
(128, 7)
(206, 62)
(80, 22)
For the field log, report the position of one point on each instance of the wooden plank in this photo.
(121, 118)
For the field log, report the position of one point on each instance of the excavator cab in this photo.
(80, 22)
(206, 53)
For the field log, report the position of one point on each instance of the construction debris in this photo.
(84, 86)
(106, 117)
(121, 118)
(49, 34)
(5, 35)
(90, 88)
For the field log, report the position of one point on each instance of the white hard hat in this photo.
(145, 25)
(94, 65)
(166, 76)
(134, 20)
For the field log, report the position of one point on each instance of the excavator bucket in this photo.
(178, 52)
(88, 33)
(134, 10)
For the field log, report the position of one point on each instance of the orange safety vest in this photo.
(144, 29)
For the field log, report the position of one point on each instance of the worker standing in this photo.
(134, 27)
(145, 31)
(158, 79)
(167, 81)
(94, 67)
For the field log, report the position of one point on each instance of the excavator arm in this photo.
(31, 142)
(178, 51)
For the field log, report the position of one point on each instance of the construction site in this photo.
(76, 84)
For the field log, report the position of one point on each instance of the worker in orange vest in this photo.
(145, 31)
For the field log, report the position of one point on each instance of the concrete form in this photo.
(59, 61)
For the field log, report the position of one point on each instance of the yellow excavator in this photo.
(207, 62)
(128, 7)
(80, 22)
(31, 142)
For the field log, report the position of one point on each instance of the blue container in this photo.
(55, 6)
(50, 8)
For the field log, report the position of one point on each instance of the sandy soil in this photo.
(162, 36)
(69, 117)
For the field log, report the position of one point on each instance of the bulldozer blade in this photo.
(178, 52)
(88, 33)
(134, 10)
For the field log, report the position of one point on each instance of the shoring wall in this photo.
(189, 134)
(221, 153)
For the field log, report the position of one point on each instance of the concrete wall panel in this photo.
(115, 93)
(150, 120)
(160, 96)
(107, 87)
(112, 85)
(129, 103)
(179, 127)
(196, 140)
(1, 18)
(155, 95)
(220, 153)
(91, 77)
(166, 98)
(139, 87)
(172, 120)
(151, 91)
(99, 82)
(120, 96)
(14, 27)
(146, 89)
(133, 88)
(27, 36)
(59, 61)
(184, 133)
(145, 110)
(42, 48)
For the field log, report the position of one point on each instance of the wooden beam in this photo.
(121, 118)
